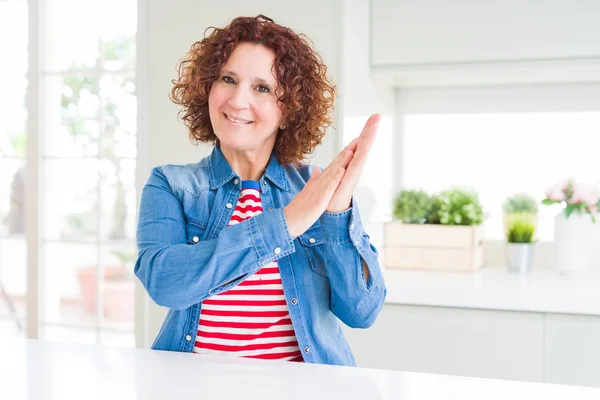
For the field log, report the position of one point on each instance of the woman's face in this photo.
(243, 104)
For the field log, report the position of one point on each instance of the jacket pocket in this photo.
(314, 247)
(194, 232)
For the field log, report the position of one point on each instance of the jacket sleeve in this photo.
(355, 300)
(176, 274)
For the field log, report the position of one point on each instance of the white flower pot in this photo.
(573, 240)
(519, 256)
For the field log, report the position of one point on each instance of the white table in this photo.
(33, 370)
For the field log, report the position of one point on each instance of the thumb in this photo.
(315, 173)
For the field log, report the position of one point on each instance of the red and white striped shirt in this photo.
(252, 319)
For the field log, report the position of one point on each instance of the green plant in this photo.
(433, 216)
(520, 228)
(520, 203)
(459, 207)
(412, 206)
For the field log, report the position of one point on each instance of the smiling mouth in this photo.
(237, 120)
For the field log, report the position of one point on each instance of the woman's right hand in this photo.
(308, 205)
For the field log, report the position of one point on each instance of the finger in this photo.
(314, 177)
(352, 145)
(342, 160)
(369, 130)
(347, 155)
(335, 181)
(315, 173)
(367, 139)
(356, 165)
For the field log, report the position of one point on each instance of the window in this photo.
(87, 200)
(501, 147)
(88, 163)
(13, 147)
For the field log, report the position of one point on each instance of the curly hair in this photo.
(305, 96)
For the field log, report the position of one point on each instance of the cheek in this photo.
(271, 114)
(215, 98)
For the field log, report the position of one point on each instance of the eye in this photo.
(263, 89)
(227, 79)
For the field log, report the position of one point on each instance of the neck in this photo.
(248, 166)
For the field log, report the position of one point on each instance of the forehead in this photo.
(251, 60)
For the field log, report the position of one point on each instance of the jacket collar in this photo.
(221, 172)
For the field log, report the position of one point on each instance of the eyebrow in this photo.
(253, 78)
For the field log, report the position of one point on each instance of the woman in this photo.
(237, 280)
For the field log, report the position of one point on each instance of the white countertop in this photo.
(498, 289)
(32, 370)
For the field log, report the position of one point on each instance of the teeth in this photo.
(237, 121)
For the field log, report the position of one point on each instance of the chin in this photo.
(232, 144)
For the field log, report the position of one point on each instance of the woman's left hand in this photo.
(342, 198)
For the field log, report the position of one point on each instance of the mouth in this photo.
(238, 121)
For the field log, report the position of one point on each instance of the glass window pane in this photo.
(73, 39)
(119, 113)
(119, 287)
(70, 199)
(118, 53)
(118, 201)
(70, 115)
(69, 283)
(13, 79)
(13, 114)
(12, 197)
(13, 286)
(502, 154)
(13, 251)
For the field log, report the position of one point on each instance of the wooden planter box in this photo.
(433, 247)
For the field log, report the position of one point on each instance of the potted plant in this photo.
(520, 231)
(519, 203)
(574, 223)
(520, 224)
(442, 231)
(118, 287)
(458, 207)
(412, 206)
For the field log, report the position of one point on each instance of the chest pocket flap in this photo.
(313, 236)
(194, 232)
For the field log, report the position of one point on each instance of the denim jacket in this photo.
(186, 253)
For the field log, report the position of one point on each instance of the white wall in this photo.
(167, 29)
(465, 31)
(359, 94)
(483, 42)
(172, 27)
(558, 97)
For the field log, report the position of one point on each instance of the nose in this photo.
(240, 97)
